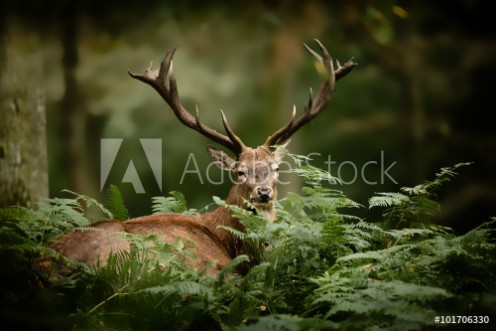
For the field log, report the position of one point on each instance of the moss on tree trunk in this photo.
(23, 149)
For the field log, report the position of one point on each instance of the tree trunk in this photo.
(23, 150)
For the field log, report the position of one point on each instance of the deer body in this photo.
(94, 247)
(255, 171)
(211, 243)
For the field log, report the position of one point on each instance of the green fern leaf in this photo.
(235, 232)
(176, 203)
(90, 202)
(15, 213)
(183, 288)
(13, 241)
(388, 199)
(115, 204)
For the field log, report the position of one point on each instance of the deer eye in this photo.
(276, 169)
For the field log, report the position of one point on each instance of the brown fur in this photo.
(93, 247)
(210, 242)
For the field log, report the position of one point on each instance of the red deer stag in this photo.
(256, 170)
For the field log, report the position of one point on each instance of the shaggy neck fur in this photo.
(222, 216)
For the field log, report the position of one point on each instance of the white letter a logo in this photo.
(153, 153)
(131, 176)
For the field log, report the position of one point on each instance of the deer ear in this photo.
(280, 151)
(220, 158)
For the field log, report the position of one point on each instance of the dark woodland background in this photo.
(421, 95)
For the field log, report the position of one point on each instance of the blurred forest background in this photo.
(421, 95)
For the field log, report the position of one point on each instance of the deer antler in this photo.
(164, 82)
(315, 105)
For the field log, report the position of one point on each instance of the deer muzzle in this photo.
(261, 195)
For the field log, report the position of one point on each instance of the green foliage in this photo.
(115, 204)
(409, 275)
(52, 217)
(176, 203)
(415, 205)
(320, 267)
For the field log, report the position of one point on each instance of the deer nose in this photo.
(264, 193)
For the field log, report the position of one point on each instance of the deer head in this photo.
(255, 172)
(255, 169)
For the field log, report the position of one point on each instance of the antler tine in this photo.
(164, 82)
(230, 132)
(281, 131)
(318, 103)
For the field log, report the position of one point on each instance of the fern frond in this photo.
(378, 255)
(298, 159)
(90, 202)
(66, 212)
(115, 203)
(315, 176)
(235, 232)
(175, 203)
(182, 288)
(429, 187)
(410, 233)
(16, 213)
(388, 199)
(13, 241)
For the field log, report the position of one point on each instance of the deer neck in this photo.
(223, 217)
